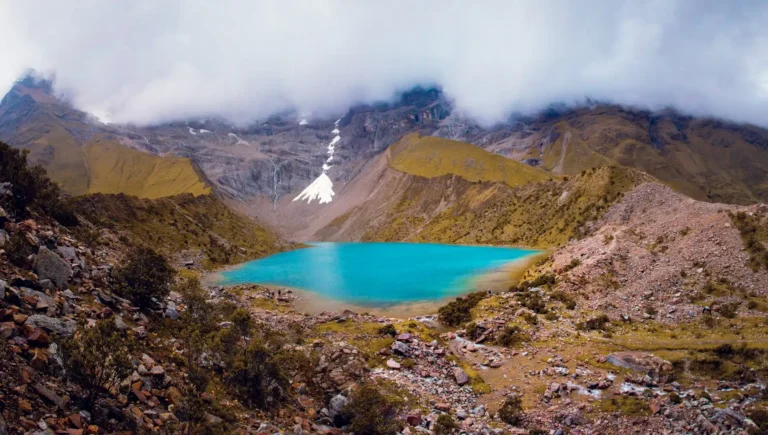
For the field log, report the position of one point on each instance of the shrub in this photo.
(650, 310)
(97, 358)
(729, 311)
(530, 318)
(564, 298)
(445, 425)
(594, 324)
(256, 379)
(511, 411)
(572, 265)
(388, 329)
(511, 336)
(18, 250)
(675, 398)
(459, 311)
(198, 312)
(760, 417)
(145, 276)
(372, 412)
(533, 301)
(30, 187)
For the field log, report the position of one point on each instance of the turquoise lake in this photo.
(377, 274)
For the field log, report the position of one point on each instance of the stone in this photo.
(157, 370)
(393, 364)
(4, 238)
(442, 406)
(413, 419)
(170, 311)
(401, 348)
(39, 338)
(65, 327)
(69, 254)
(461, 376)
(44, 302)
(404, 337)
(48, 265)
(336, 405)
(49, 395)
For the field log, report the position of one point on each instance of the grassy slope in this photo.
(114, 168)
(543, 214)
(429, 157)
(183, 222)
(704, 159)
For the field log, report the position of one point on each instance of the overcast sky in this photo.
(159, 60)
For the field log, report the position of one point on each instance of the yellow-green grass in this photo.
(114, 168)
(429, 156)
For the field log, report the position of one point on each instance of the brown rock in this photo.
(24, 405)
(38, 338)
(76, 420)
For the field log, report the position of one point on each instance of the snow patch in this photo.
(202, 130)
(303, 122)
(237, 138)
(192, 131)
(321, 189)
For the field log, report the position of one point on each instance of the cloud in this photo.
(147, 61)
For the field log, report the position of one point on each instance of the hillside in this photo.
(706, 159)
(81, 155)
(430, 157)
(184, 227)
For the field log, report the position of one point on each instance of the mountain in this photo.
(705, 159)
(83, 156)
(263, 167)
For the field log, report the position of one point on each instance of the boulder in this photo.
(401, 348)
(69, 254)
(393, 364)
(48, 265)
(462, 378)
(3, 238)
(44, 302)
(336, 405)
(65, 327)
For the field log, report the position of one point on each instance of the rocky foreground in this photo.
(653, 322)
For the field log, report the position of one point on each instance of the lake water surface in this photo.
(377, 274)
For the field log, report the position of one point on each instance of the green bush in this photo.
(388, 329)
(97, 358)
(533, 301)
(256, 378)
(31, 188)
(371, 412)
(145, 276)
(511, 336)
(729, 310)
(511, 411)
(445, 425)
(459, 311)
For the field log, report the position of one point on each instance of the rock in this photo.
(413, 419)
(461, 414)
(157, 370)
(65, 327)
(69, 254)
(336, 405)
(3, 238)
(461, 376)
(393, 364)
(212, 419)
(401, 348)
(170, 311)
(442, 406)
(38, 338)
(48, 265)
(44, 302)
(640, 362)
(404, 337)
(47, 284)
(49, 395)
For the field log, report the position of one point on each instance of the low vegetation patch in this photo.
(598, 323)
(459, 311)
(753, 234)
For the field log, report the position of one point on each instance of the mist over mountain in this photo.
(153, 62)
